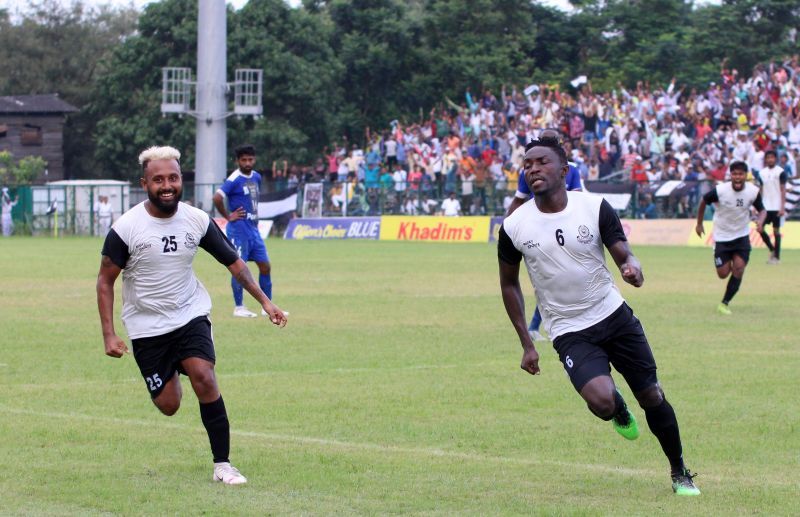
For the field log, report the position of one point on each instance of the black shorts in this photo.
(724, 251)
(619, 339)
(159, 357)
(773, 218)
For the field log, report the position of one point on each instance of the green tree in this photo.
(379, 46)
(21, 172)
(302, 92)
(61, 49)
(127, 99)
(478, 43)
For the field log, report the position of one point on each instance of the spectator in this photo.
(451, 207)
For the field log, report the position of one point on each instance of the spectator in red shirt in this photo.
(638, 173)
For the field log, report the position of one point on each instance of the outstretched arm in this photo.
(215, 242)
(242, 274)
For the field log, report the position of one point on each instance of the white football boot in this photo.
(240, 311)
(228, 474)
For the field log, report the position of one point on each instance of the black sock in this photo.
(620, 410)
(767, 242)
(778, 246)
(215, 420)
(664, 425)
(731, 289)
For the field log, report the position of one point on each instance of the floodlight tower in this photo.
(211, 101)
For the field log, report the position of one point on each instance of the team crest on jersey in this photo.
(584, 235)
(191, 242)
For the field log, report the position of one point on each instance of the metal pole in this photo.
(210, 140)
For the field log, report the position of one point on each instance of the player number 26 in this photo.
(154, 382)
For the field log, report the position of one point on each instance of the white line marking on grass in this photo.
(396, 449)
(355, 446)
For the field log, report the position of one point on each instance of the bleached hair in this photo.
(159, 153)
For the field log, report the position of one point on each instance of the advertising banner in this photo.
(494, 227)
(334, 228)
(435, 229)
(790, 233)
(659, 232)
(264, 226)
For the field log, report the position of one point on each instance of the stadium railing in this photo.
(76, 204)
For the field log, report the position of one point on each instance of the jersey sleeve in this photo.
(523, 191)
(783, 178)
(758, 203)
(227, 187)
(116, 249)
(506, 250)
(711, 196)
(573, 178)
(215, 242)
(610, 227)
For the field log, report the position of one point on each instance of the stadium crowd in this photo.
(645, 136)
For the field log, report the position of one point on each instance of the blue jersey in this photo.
(242, 192)
(573, 181)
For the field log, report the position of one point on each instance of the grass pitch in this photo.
(394, 389)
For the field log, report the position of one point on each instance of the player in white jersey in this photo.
(732, 227)
(773, 180)
(561, 236)
(165, 308)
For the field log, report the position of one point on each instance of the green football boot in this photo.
(723, 309)
(682, 483)
(626, 425)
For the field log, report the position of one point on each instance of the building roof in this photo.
(41, 104)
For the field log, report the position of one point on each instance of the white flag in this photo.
(532, 88)
(581, 79)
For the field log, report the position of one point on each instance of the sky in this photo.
(14, 5)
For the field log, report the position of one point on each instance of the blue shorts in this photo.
(247, 241)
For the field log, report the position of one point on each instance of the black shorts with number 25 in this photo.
(159, 357)
(619, 340)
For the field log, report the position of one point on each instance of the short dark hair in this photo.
(771, 152)
(244, 150)
(552, 143)
(739, 165)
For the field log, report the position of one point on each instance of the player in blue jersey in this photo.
(241, 190)
(573, 181)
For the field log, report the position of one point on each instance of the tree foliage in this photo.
(20, 172)
(61, 49)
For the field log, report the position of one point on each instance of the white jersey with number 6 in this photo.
(565, 258)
